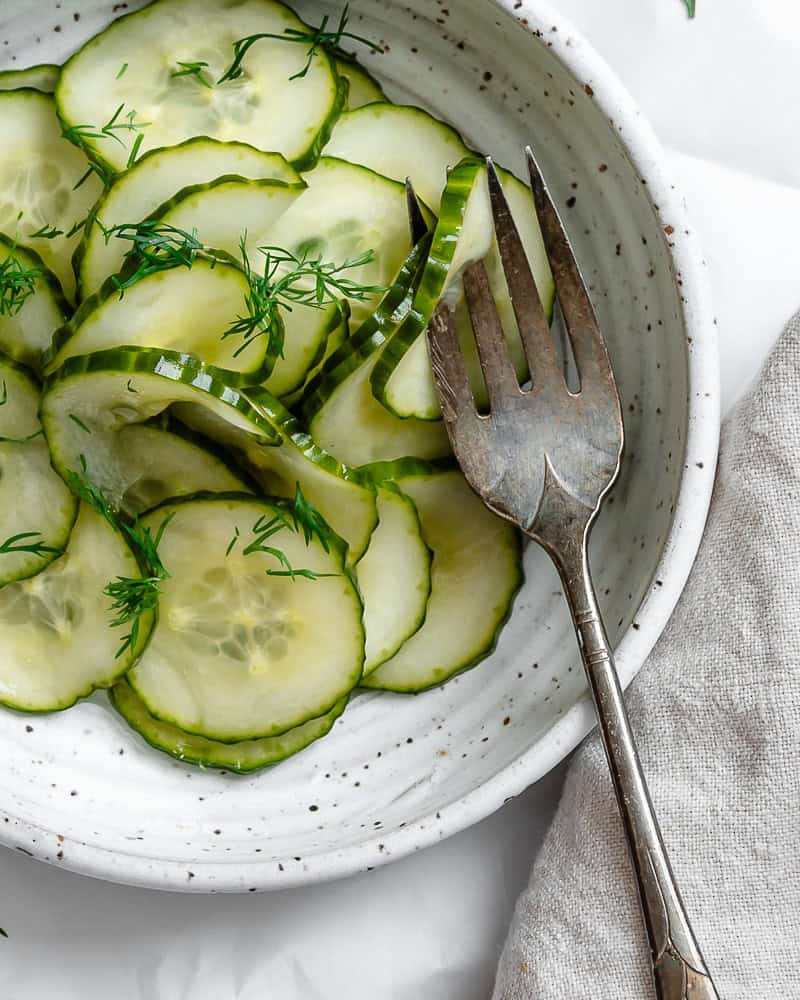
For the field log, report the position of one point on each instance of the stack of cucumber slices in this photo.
(226, 487)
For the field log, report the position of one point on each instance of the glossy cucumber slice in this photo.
(238, 653)
(339, 407)
(169, 466)
(394, 577)
(264, 106)
(39, 175)
(184, 309)
(152, 181)
(33, 499)
(242, 757)
(113, 389)
(402, 378)
(25, 334)
(43, 78)
(56, 641)
(363, 87)
(475, 574)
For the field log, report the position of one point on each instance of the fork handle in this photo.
(679, 970)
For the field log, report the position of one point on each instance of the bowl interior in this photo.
(83, 788)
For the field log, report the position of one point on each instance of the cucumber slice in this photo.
(399, 141)
(55, 635)
(340, 410)
(264, 106)
(476, 573)
(363, 87)
(39, 171)
(242, 757)
(27, 334)
(168, 466)
(402, 379)
(335, 339)
(109, 390)
(138, 193)
(394, 577)
(185, 309)
(43, 78)
(237, 653)
(32, 497)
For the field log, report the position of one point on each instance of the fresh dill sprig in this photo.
(309, 520)
(79, 135)
(25, 440)
(22, 543)
(287, 280)
(4, 394)
(122, 71)
(46, 233)
(194, 69)
(77, 420)
(17, 283)
(132, 597)
(690, 7)
(155, 246)
(315, 38)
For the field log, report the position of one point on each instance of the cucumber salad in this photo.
(226, 490)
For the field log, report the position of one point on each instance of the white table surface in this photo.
(721, 92)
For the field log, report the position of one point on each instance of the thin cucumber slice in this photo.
(25, 336)
(336, 338)
(475, 575)
(346, 211)
(33, 499)
(394, 577)
(363, 87)
(39, 181)
(241, 757)
(400, 141)
(155, 178)
(168, 466)
(238, 653)
(42, 78)
(55, 635)
(402, 379)
(339, 408)
(264, 106)
(112, 389)
(183, 309)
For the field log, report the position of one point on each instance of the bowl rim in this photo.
(677, 557)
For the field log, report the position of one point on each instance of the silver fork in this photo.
(544, 458)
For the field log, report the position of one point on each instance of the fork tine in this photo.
(416, 220)
(449, 371)
(588, 345)
(534, 330)
(498, 370)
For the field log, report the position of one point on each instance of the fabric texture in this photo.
(716, 713)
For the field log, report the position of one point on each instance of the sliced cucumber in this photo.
(346, 211)
(399, 141)
(363, 87)
(475, 575)
(264, 106)
(394, 577)
(55, 635)
(238, 653)
(168, 466)
(184, 309)
(39, 175)
(33, 499)
(155, 178)
(112, 389)
(43, 78)
(402, 379)
(339, 408)
(334, 341)
(26, 335)
(242, 757)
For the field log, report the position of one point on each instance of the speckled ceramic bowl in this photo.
(79, 789)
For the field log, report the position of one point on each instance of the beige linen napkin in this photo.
(716, 712)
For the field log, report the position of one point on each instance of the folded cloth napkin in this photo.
(716, 712)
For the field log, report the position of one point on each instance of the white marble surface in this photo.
(721, 93)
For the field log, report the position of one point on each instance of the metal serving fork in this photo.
(544, 457)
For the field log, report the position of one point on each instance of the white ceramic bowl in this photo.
(79, 789)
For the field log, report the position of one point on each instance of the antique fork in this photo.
(544, 457)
